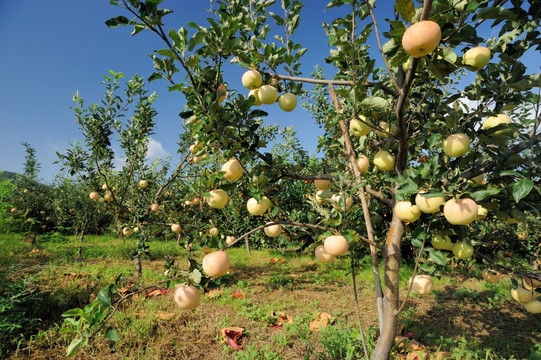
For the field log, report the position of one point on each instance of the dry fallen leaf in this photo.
(214, 293)
(140, 314)
(323, 319)
(165, 315)
(231, 335)
(157, 292)
(281, 318)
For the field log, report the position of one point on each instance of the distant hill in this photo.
(7, 175)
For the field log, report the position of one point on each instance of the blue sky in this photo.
(51, 49)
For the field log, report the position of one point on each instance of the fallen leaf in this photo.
(231, 335)
(214, 293)
(124, 289)
(158, 292)
(140, 314)
(165, 315)
(281, 318)
(238, 295)
(322, 321)
(277, 260)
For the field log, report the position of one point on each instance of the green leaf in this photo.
(437, 256)
(117, 21)
(112, 335)
(405, 8)
(481, 194)
(196, 276)
(73, 312)
(521, 189)
(498, 13)
(74, 345)
(408, 188)
(104, 298)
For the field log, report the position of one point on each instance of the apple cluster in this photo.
(266, 94)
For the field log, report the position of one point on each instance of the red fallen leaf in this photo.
(277, 327)
(238, 295)
(214, 293)
(158, 292)
(231, 334)
(409, 335)
(277, 260)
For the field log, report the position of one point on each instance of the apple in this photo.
(273, 230)
(521, 295)
(322, 255)
(287, 102)
(14, 210)
(336, 198)
(533, 307)
(101, 200)
(94, 195)
(406, 65)
(233, 170)
(421, 284)
(143, 184)
(258, 207)
(456, 145)
(187, 297)
(385, 126)
(255, 94)
(362, 163)
(429, 205)
(127, 231)
(222, 93)
(421, 38)
(477, 58)
(491, 276)
(176, 228)
(216, 263)
(322, 184)
(532, 282)
(462, 250)
(442, 242)
(268, 94)
(155, 207)
(322, 196)
(460, 211)
(384, 160)
(136, 230)
(103, 187)
(217, 199)
(213, 231)
(359, 128)
(336, 245)
(230, 239)
(482, 213)
(252, 79)
(195, 201)
(194, 148)
(108, 196)
(494, 121)
(407, 212)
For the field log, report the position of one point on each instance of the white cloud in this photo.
(156, 151)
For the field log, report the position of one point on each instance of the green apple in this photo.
(252, 79)
(462, 250)
(255, 94)
(384, 160)
(268, 94)
(217, 199)
(494, 121)
(477, 58)
(442, 242)
(456, 145)
(287, 102)
(359, 128)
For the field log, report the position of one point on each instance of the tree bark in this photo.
(390, 293)
(80, 251)
(247, 246)
(138, 267)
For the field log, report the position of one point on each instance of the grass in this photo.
(463, 315)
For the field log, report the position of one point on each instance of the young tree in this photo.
(410, 119)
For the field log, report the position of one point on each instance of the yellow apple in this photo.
(213, 231)
(521, 295)
(491, 276)
(255, 94)
(362, 163)
(233, 170)
(258, 208)
(384, 160)
(462, 250)
(429, 205)
(143, 184)
(421, 284)
(477, 58)
(187, 297)
(482, 213)
(194, 148)
(322, 184)
(336, 245)
(252, 79)
(385, 126)
(155, 207)
(273, 230)
(456, 145)
(217, 199)
(494, 121)
(533, 307)
(127, 231)
(336, 198)
(94, 195)
(442, 242)
(287, 102)
(268, 94)
(216, 263)
(460, 211)
(421, 38)
(322, 255)
(230, 239)
(359, 128)
(407, 212)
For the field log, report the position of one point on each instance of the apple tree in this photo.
(446, 106)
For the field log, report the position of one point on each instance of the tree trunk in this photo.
(80, 251)
(391, 291)
(138, 267)
(247, 246)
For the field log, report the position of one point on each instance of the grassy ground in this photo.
(465, 316)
